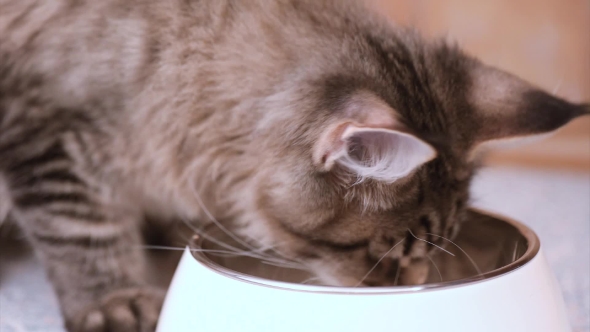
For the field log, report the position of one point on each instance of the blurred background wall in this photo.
(546, 42)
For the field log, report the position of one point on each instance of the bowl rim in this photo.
(533, 248)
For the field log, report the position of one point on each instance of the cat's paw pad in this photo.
(128, 310)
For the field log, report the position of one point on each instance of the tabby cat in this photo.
(314, 127)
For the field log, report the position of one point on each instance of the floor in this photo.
(556, 205)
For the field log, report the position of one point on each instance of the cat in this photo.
(315, 127)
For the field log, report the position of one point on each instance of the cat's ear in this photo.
(508, 108)
(371, 144)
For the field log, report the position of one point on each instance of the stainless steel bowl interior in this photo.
(490, 244)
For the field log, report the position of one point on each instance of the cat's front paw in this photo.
(127, 310)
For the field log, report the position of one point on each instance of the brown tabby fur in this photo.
(114, 110)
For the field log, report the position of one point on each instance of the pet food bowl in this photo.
(514, 290)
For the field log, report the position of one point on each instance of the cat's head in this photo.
(374, 158)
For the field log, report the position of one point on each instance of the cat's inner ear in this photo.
(370, 150)
(510, 109)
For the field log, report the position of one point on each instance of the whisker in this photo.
(439, 247)
(223, 253)
(274, 249)
(436, 267)
(379, 261)
(284, 265)
(463, 251)
(214, 240)
(291, 261)
(257, 253)
(397, 275)
(253, 253)
(161, 247)
(217, 223)
(227, 253)
(231, 234)
(306, 281)
(215, 251)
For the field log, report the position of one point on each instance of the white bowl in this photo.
(516, 292)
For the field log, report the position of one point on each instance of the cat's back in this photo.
(78, 49)
(84, 52)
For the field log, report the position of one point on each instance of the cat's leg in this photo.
(88, 241)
